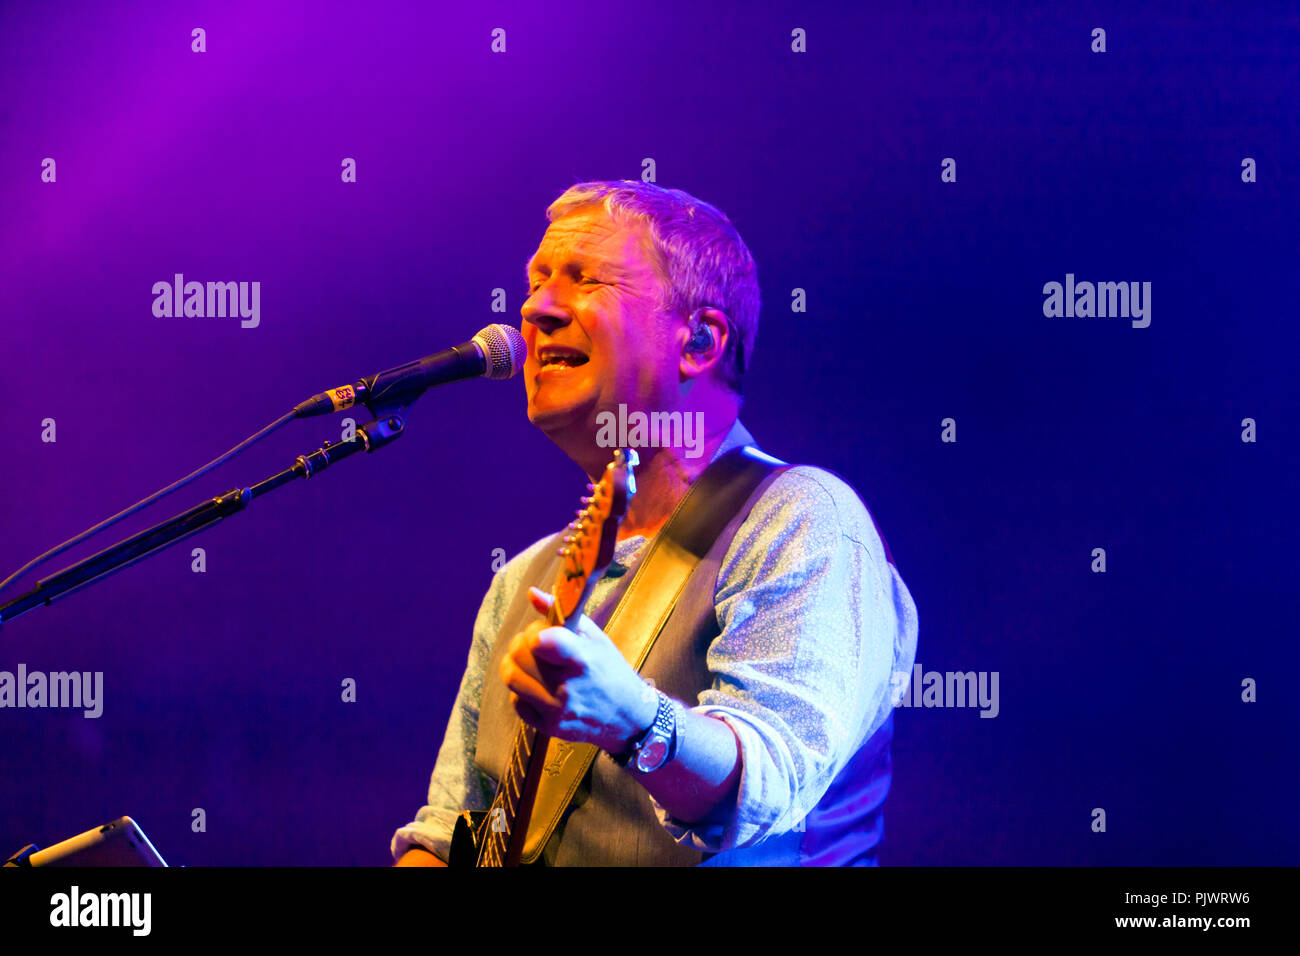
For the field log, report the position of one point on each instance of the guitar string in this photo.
(489, 846)
(495, 837)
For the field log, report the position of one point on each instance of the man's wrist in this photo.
(649, 700)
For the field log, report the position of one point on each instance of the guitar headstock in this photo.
(589, 546)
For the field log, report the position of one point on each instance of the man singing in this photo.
(772, 687)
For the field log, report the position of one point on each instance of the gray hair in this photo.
(701, 259)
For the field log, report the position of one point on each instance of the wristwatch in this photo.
(657, 745)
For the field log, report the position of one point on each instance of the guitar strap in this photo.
(711, 502)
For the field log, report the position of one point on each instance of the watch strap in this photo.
(665, 723)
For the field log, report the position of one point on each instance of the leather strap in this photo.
(710, 503)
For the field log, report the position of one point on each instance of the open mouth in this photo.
(558, 356)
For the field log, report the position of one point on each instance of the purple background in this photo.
(222, 689)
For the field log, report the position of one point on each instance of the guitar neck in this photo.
(587, 551)
(506, 826)
(507, 822)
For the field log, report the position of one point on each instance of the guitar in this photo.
(495, 837)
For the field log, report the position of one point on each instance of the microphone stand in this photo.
(386, 427)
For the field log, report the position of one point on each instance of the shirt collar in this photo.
(739, 435)
(627, 549)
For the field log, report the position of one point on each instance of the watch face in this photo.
(652, 754)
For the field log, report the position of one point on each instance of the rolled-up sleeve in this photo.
(813, 622)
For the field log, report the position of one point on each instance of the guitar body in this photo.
(467, 842)
(464, 840)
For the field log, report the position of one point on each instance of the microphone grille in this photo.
(505, 350)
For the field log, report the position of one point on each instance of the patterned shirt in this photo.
(814, 622)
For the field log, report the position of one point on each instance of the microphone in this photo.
(498, 351)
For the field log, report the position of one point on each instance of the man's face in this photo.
(595, 338)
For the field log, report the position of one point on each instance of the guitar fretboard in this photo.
(500, 822)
